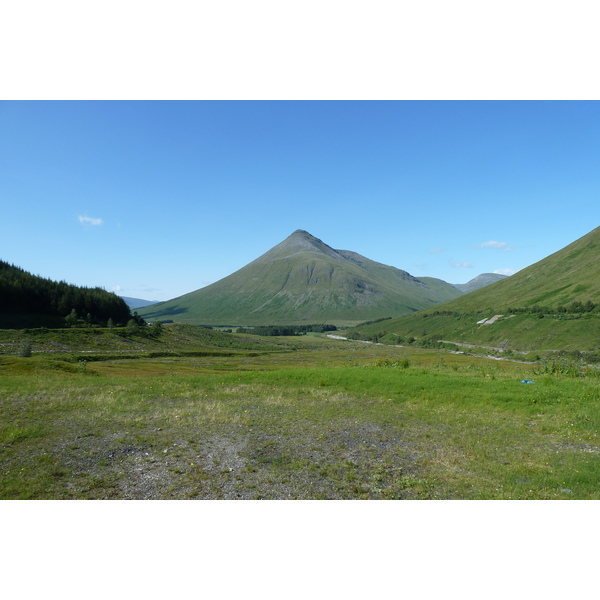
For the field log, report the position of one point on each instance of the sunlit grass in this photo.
(324, 421)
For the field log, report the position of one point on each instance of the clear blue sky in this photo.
(157, 199)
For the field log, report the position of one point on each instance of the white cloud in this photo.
(462, 265)
(505, 271)
(496, 245)
(117, 288)
(90, 221)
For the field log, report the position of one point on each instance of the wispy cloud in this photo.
(90, 221)
(505, 271)
(495, 245)
(117, 288)
(436, 251)
(462, 265)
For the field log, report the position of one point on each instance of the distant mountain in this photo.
(303, 280)
(479, 282)
(135, 303)
(553, 304)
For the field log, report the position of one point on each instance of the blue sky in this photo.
(157, 199)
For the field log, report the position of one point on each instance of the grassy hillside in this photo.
(302, 280)
(526, 333)
(551, 305)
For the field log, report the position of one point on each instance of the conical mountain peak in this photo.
(302, 236)
(300, 241)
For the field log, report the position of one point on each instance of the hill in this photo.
(303, 280)
(28, 300)
(553, 304)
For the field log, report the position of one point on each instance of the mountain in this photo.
(478, 282)
(303, 280)
(553, 304)
(135, 303)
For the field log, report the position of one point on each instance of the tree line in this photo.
(575, 307)
(272, 330)
(30, 300)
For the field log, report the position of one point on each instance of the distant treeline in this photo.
(386, 337)
(375, 321)
(286, 329)
(30, 300)
(572, 308)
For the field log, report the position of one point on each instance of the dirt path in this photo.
(460, 344)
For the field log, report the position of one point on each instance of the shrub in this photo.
(26, 350)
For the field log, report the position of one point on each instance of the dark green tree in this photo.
(71, 319)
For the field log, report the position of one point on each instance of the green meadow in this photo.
(189, 413)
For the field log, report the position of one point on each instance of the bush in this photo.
(26, 350)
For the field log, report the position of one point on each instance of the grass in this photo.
(318, 419)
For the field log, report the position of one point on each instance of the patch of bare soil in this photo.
(345, 460)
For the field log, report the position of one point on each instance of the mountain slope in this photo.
(303, 280)
(553, 304)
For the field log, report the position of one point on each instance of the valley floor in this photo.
(233, 417)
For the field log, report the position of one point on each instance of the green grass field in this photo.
(214, 415)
